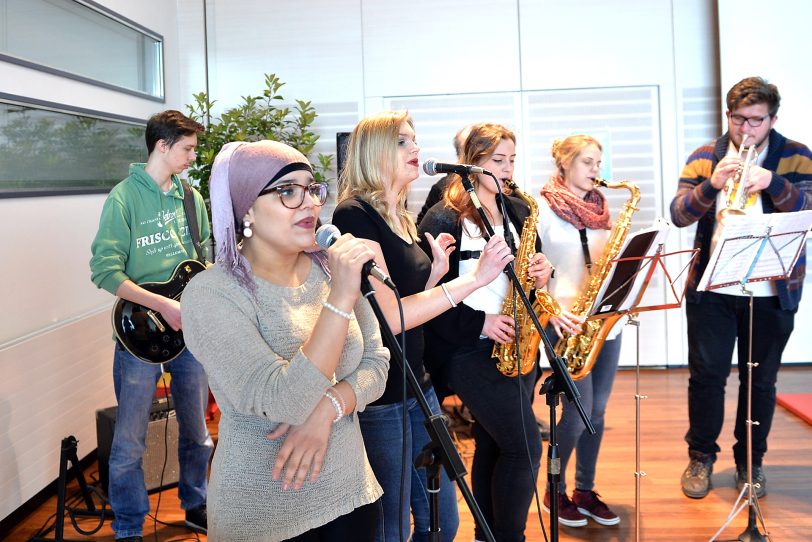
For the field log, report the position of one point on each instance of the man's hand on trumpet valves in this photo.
(724, 172)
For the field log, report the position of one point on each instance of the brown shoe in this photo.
(696, 480)
(568, 513)
(591, 506)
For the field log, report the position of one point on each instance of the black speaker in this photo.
(341, 152)
(162, 428)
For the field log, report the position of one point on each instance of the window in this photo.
(45, 150)
(84, 41)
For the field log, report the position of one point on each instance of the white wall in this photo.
(55, 347)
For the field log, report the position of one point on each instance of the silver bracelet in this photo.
(336, 405)
(448, 295)
(332, 308)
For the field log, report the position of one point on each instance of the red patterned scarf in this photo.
(591, 212)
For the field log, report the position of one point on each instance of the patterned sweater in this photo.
(251, 350)
(790, 190)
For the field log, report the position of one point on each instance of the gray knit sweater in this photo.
(250, 348)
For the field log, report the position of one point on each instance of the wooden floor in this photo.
(666, 515)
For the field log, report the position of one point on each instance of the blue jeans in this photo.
(135, 382)
(595, 390)
(383, 438)
(508, 444)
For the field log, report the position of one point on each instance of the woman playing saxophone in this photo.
(464, 336)
(574, 226)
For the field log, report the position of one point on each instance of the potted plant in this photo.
(256, 118)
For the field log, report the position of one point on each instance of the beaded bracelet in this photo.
(332, 308)
(448, 295)
(340, 398)
(336, 405)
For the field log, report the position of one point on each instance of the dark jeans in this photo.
(503, 477)
(595, 390)
(714, 326)
(359, 525)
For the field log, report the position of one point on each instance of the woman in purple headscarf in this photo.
(292, 353)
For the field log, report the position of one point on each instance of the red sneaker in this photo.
(590, 505)
(568, 513)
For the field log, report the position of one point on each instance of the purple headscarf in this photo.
(240, 172)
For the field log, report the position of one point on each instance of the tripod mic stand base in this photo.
(751, 533)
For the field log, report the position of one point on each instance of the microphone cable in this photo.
(404, 425)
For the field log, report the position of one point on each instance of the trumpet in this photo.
(738, 199)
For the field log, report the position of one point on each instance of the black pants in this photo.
(507, 439)
(360, 525)
(714, 326)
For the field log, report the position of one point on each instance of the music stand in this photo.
(754, 248)
(622, 295)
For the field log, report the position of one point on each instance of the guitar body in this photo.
(144, 332)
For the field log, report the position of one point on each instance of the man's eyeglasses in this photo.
(754, 122)
(292, 195)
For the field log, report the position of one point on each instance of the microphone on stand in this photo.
(327, 234)
(433, 167)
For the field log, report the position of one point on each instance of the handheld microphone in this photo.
(433, 167)
(327, 234)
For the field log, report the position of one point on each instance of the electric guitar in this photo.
(143, 331)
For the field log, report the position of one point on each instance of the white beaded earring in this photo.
(247, 232)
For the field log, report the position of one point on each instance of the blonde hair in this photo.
(565, 150)
(372, 161)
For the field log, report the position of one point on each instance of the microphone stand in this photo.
(558, 382)
(441, 449)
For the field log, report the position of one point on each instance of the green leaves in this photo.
(256, 118)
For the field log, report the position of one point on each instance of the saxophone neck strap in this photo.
(502, 204)
(585, 248)
(470, 254)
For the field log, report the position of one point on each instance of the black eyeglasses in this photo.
(292, 195)
(754, 122)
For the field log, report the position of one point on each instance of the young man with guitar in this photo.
(147, 248)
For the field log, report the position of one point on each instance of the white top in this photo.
(488, 298)
(765, 288)
(561, 243)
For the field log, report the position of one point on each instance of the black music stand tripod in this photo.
(750, 250)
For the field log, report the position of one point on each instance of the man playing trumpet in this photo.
(780, 176)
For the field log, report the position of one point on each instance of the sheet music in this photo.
(758, 247)
(625, 281)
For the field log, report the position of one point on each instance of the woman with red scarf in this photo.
(574, 225)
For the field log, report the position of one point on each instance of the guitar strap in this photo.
(191, 220)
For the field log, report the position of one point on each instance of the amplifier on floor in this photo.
(163, 426)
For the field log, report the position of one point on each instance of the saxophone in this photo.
(582, 350)
(528, 336)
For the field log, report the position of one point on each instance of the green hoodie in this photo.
(143, 233)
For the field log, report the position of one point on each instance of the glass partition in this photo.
(45, 151)
(85, 41)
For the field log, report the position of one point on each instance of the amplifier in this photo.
(161, 429)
